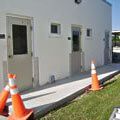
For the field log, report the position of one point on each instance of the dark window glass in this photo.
(19, 39)
(54, 29)
(89, 32)
(75, 40)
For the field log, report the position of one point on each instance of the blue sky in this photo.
(115, 14)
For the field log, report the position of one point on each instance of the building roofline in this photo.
(105, 1)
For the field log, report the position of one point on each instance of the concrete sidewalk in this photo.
(48, 97)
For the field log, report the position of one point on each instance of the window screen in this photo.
(75, 40)
(89, 32)
(19, 39)
(55, 28)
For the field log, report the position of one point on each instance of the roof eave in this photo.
(107, 2)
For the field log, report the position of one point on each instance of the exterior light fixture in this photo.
(78, 1)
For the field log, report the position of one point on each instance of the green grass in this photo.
(91, 106)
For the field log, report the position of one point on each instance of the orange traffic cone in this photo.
(3, 98)
(95, 82)
(19, 110)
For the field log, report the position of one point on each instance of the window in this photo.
(19, 39)
(89, 32)
(76, 43)
(55, 28)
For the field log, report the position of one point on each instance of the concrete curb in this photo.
(71, 97)
(113, 114)
(109, 77)
(61, 102)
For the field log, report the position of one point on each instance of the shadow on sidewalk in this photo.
(33, 97)
(76, 77)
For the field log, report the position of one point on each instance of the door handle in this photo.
(10, 56)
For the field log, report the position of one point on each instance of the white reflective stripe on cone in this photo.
(118, 110)
(93, 71)
(14, 91)
(7, 88)
(11, 82)
(92, 66)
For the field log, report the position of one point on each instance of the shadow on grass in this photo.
(108, 83)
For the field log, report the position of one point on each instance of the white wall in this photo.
(99, 19)
(3, 52)
(53, 52)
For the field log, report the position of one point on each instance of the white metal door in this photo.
(75, 56)
(20, 50)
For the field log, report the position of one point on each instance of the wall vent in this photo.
(52, 79)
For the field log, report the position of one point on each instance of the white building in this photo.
(42, 38)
